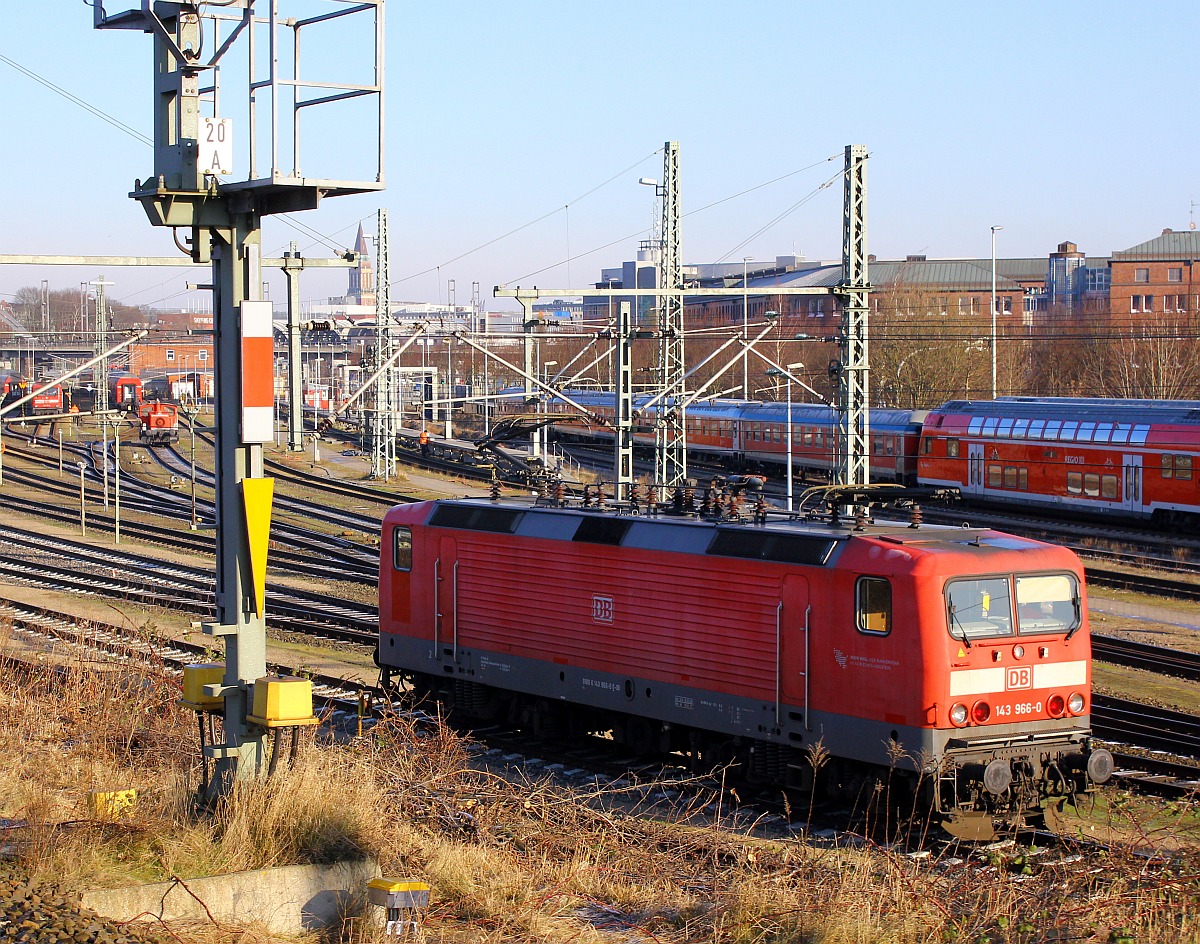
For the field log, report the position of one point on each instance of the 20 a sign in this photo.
(214, 153)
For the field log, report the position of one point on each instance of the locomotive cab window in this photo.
(979, 608)
(874, 606)
(402, 549)
(1047, 603)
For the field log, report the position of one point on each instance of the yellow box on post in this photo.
(111, 804)
(195, 677)
(389, 893)
(282, 701)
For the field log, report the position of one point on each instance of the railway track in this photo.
(59, 564)
(299, 550)
(1140, 655)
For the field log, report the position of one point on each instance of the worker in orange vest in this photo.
(423, 439)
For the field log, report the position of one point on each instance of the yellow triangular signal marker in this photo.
(256, 499)
(962, 653)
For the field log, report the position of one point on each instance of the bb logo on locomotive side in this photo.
(602, 609)
(1018, 677)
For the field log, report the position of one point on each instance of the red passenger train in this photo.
(1101, 458)
(958, 659)
(1107, 457)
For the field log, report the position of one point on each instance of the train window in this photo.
(1139, 434)
(1047, 603)
(995, 476)
(402, 549)
(808, 435)
(1075, 483)
(1168, 466)
(1052, 428)
(1091, 484)
(926, 445)
(1023, 479)
(891, 445)
(1020, 429)
(979, 608)
(989, 426)
(952, 448)
(874, 606)
(1183, 467)
(1086, 432)
(1103, 432)
(1036, 429)
(1068, 431)
(1120, 433)
(1004, 431)
(976, 426)
(1010, 476)
(1108, 487)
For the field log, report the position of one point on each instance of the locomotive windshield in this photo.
(982, 608)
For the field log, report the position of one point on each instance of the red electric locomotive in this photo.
(159, 422)
(47, 399)
(958, 659)
(1114, 458)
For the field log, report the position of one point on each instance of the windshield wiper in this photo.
(954, 619)
(1078, 621)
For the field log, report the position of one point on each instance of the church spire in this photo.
(362, 280)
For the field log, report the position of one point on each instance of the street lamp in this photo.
(786, 373)
(745, 331)
(994, 229)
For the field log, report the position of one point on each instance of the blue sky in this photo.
(1057, 121)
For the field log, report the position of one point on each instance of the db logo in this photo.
(1020, 676)
(602, 609)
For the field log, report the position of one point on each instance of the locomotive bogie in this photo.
(954, 658)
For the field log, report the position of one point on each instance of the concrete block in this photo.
(289, 901)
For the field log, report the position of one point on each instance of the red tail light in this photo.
(1055, 705)
(980, 712)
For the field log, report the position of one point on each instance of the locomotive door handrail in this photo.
(807, 637)
(454, 603)
(778, 657)
(437, 608)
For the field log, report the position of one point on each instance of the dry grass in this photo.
(518, 860)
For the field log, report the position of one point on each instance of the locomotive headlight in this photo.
(1056, 706)
(1075, 703)
(1018, 652)
(980, 712)
(958, 715)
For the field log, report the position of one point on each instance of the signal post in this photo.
(192, 190)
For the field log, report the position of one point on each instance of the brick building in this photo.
(1155, 280)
